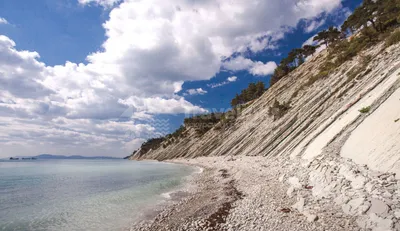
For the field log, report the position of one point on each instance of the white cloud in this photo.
(198, 91)
(232, 79)
(20, 72)
(238, 63)
(257, 68)
(159, 105)
(151, 48)
(106, 3)
(263, 69)
(3, 21)
(313, 25)
(228, 81)
(134, 144)
(69, 105)
(155, 41)
(65, 136)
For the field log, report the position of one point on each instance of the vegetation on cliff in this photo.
(252, 92)
(371, 23)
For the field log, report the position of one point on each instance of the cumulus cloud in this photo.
(238, 63)
(263, 69)
(152, 43)
(313, 25)
(72, 103)
(3, 21)
(20, 72)
(134, 144)
(232, 79)
(256, 68)
(198, 91)
(151, 48)
(65, 136)
(159, 105)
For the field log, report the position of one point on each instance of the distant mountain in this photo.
(74, 157)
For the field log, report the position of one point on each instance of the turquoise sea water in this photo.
(82, 194)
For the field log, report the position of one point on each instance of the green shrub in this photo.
(353, 73)
(349, 49)
(278, 109)
(365, 109)
(393, 38)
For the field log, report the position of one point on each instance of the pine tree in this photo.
(328, 36)
(309, 50)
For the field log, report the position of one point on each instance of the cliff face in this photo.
(324, 112)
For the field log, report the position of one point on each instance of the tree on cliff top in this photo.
(380, 14)
(328, 36)
(252, 92)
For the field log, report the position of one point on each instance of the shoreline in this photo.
(199, 204)
(170, 198)
(240, 193)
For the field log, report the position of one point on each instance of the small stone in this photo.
(391, 178)
(364, 208)
(311, 217)
(387, 194)
(294, 181)
(358, 182)
(380, 223)
(376, 192)
(363, 223)
(346, 209)
(299, 205)
(281, 178)
(378, 206)
(355, 203)
(369, 187)
(342, 199)
(290, 191)
(397, 213)
(397, 226)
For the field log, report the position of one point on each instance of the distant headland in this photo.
(61, 157)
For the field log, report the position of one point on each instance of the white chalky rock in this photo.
(341, 199)
(358, 182)
(311, 217)
(380, 224)
(397, 214)
(378, 206)
(294, 181)
(364, 208)
(375, 223)
(369, 187)
(354, 206)
(290, 191)
(322, 184)
(387, 194)
(346, 209)
(299, 205)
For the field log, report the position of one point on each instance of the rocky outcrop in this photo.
(317, 112)
(372, 198)
(337, 152)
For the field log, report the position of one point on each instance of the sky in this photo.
(99, 77)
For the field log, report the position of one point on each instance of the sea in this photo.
(83, 194)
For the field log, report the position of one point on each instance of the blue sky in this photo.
(96, 77)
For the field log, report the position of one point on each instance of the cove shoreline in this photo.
(239, 193)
